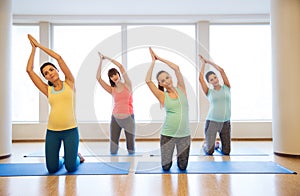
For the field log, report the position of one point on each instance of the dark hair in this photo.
(157, 75)
(111, 72)
(42, 67)
(208, 74)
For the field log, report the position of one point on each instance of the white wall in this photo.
(133, 11)
(100, 131)
(128, 11)
(139, 7)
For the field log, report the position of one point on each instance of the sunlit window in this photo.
(25, 96)
(175, 43)
(244, 51)
(79, 46)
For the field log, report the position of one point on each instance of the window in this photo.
(79, 46)
(25, 96)
(175, 43)
(244, 51)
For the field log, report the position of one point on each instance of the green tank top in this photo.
(176, 122)
(220, 104)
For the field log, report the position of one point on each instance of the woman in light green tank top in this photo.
(175, 130)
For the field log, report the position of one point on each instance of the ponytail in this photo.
(161, 88)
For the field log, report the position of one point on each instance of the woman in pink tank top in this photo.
(122, 114)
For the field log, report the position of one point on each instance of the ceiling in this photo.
(139, 10)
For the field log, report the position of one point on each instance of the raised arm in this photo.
(222, 72)
(123, 72)
(43, 87)
(106, 87)
(180, 80)
(69, 78)
(157, 93)
(201, 75)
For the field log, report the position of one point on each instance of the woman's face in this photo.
(165, 80)
(50, 73)
(115, 78)
(213, 79)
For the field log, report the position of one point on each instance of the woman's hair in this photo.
(44, 65)
(208, 74)
(157, 75)
(111, 72)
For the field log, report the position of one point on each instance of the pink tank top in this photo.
(122, 101)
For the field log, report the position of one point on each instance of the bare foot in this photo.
(217, 145)
(81, 158)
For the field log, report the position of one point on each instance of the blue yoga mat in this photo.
(216, 153)
(120, 154)
(87, 168)
(216, 167)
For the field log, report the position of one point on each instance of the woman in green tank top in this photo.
(175, 130)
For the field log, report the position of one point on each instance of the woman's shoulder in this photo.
(126, 88)
(113, 89)
(68, 84)
(225, 87)
(180, 90)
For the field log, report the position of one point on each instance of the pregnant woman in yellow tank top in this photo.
(62, 126)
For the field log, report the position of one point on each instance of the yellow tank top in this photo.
(62, 111)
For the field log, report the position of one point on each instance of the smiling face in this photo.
(50, 73)
(114, 76)
(213, 79)
(165, 80)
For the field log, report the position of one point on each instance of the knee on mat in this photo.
(226, 152)
(210, 152)
(207, 151)
(167, 167)
(52, 170)
(114, 148)
(113, 152)
(71, 168)
(182, 166)
(131, 151)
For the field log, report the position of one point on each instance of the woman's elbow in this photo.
(221, 70)
(177, 69)
(29, 70)
(59, 58)
(99, 79)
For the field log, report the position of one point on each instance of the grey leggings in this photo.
(210, 131)
(116, 125)
(167, 146)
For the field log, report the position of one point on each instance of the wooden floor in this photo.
(155, 184)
